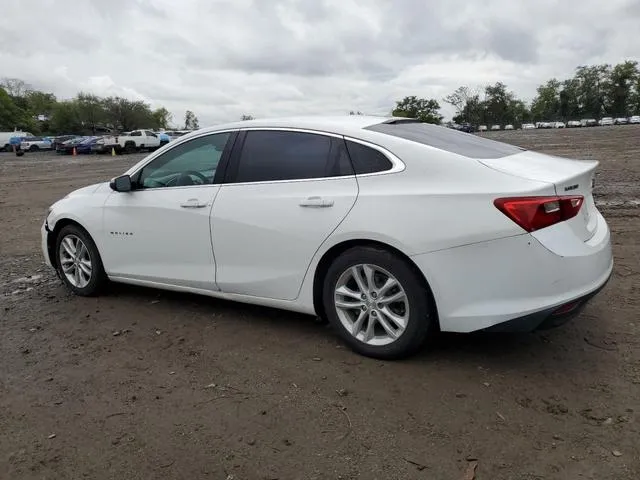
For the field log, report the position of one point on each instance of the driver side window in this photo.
(191, 163)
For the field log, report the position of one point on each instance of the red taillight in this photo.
(534, 213)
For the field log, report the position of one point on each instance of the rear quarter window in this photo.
(447, 139)
(366, 159)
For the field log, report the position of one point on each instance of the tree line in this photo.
(592, 92)
(25, 108)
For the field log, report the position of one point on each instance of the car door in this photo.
(160, 231)
(284, 194)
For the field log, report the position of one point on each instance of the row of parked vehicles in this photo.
(585, 122)
(126, 142)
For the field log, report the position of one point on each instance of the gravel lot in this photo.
(146, 384)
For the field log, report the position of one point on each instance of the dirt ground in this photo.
(143, 384)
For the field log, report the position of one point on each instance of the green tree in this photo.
(90, 110)
(191, 121)
(124, 114)
(65, 118)
(162, 118)
(593, 82)
(41, 103)
(10, 115)
(546, 104)
(622, 80)
(425, 110)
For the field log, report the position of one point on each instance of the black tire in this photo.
(130, 147)
(8, 148)
(34, 148)
(421, 320)
(98, 278)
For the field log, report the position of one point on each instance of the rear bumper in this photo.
(546, 319)
(515, 283)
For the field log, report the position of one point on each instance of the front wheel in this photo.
(79, 262)
(378, 303)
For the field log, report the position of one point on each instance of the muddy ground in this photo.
(145, 384)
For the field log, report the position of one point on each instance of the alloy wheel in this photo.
(75, 261)
(371, 304)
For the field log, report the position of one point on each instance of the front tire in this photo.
(79, 262)
(378, 303)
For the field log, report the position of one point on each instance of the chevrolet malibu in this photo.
(389, 228)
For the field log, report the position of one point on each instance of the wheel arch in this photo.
(325, 262)
(53, 235)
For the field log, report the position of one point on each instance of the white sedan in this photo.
(389, 228)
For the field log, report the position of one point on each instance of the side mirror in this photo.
(121, 183)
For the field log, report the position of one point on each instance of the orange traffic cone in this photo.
(74, 151)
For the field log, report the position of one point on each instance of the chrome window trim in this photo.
(397, 164)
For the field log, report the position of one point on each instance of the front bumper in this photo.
(44, 234)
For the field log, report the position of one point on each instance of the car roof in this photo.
(341, 125)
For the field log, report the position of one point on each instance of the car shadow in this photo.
(499, 349)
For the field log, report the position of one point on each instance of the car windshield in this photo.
(447, 139)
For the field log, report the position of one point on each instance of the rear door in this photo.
(285, 192)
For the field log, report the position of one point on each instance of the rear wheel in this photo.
(378, 303)
(130, 147)
(34, 148)
(79, 262)
(8, 148)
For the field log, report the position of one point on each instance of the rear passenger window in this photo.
(366, 159)
(277, 155)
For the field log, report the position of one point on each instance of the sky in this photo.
(272, 58)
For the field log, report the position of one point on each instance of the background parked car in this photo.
(635, 119)
(105, 144)
(508, 127)
(620, 121)
(482, 128)
(138, 139)
(5, 139)
(495, 127)
(606, 121)
(574, 124)
(33, 144)
(66, 148)
(55, 141)
(589, 122)
(528, 126)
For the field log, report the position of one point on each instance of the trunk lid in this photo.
(569, 177)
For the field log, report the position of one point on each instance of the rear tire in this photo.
(78, 262)
(374, 318)
(34, 148)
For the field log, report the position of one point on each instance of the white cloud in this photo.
(223, 58)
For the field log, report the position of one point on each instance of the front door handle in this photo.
(316, 202)
(193, 203)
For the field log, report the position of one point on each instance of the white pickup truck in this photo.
(137, 140)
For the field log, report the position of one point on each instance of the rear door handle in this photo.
(193, 203)
(316, 202)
